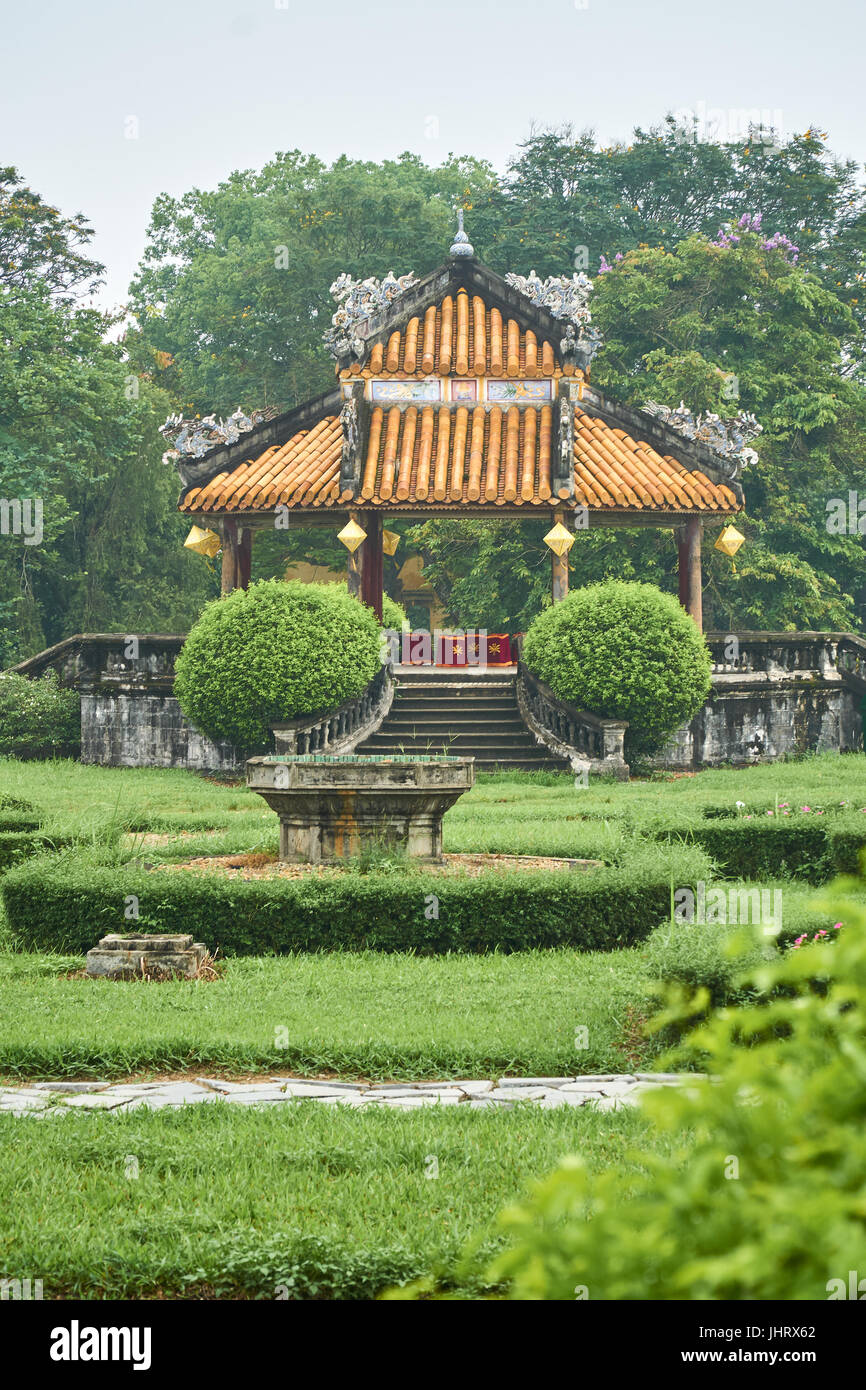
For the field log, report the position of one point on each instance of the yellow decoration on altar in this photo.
(390, 541)
(559, 539)
(203, 542)
(730, 540)
(351, 536)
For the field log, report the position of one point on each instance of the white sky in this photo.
(222, 84)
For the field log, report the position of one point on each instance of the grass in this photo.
(356, 1014)
(306, 1201)
(309, 1201)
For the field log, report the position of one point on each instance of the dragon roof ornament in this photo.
(195, 438)
(565, 297)
(358, 300)
(727, 438)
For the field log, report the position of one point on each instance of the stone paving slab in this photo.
(609, 1091)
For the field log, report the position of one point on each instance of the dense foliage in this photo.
(38, 718)
(768, 1204)
(271, 653)
(78, 441)
(233, 293)
(623, 651)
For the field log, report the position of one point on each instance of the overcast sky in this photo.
(207, 86)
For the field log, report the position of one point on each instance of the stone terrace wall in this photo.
(773, 694)
(776, 694)
(129, 717)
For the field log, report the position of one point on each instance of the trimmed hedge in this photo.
(67, 904)
(16, 845)
(19, 820)
(812, 849)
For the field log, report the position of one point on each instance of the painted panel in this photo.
(463, 389)
(395, 391)
(538, 390)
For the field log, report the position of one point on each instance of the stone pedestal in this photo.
(125, 957)
(332, 808)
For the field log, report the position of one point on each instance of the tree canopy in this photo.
(730, 275)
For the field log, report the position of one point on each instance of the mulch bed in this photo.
(252, 866)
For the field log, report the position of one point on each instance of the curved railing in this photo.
(589, 743)
(342, 729)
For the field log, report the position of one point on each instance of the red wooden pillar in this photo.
(689, 566)
(229, 579)
(245, 557)
(371, 563)
(237, 556)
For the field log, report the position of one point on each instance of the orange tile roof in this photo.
(461, 337)
(435, 456)
(303, 472)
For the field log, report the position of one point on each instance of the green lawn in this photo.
(327, 1203)
(308, 1200)
(369, 1014)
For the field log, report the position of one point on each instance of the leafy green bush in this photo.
(623, 651)
(768, 1203)
(67, 903)
(38, 718)
(393, 615)
(274, 652)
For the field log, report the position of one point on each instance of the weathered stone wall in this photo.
(773, 694)
(141, 730)
(776, 695)
(750, 725)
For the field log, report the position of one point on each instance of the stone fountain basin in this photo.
(332, 807)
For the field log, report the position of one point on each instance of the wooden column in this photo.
(689, 563)
(371, 563)
(230, 556)
(559, 568)
(353, 565)
(245, 557)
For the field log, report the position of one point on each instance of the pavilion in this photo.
(459, 394)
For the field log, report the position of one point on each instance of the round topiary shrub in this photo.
(273, 652)
(623, 651)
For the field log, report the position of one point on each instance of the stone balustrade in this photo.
(590, 743)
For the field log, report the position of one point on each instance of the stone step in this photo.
(462, 723)
(474, 707)
(464, 744)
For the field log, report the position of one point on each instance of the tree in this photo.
(735, 324)
(232, 296)
(79, 451)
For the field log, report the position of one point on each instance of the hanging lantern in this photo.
(559, 539)
(390, 541)
(729, 541)
(351, 536)
(203, 542)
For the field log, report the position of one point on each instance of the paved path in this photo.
(608, 1092)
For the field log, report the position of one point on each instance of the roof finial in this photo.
(461, 246)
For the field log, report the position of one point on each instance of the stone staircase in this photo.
(463, 713)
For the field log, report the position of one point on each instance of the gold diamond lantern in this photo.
(390, 541)
(559, 539)
(730, 540)
(351, 535)
(203, 542)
